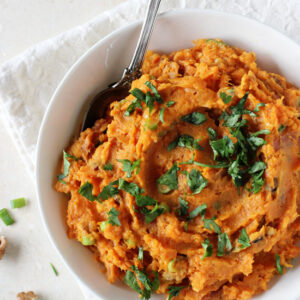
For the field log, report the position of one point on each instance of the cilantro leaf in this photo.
(149, 102)
(212, 133)
(129, 167)
(244, 239)
(199, 210)
(196, 181)
(279, 267)
(113, 217)
(108, 167)
(281, 128)
(161, 115)
(174, 291)
(184, 207)
(136, 103)
(223, 147)
(195, 118)
(223, 241)
(151, 215)
(154, 91)
(142, 200)
(256, 171)
(86, 190)
(130, 187)
(225, 98)
(256, 109)
(255, 142)
(210, 224)
(208, 247)
(170, 103)
(138, 94)
(168, 181)
(108, 191)
(141, 254)
(184, 141)
(67, 165)
(132, 282)
(263, 131)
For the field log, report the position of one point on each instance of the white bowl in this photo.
(103, 64)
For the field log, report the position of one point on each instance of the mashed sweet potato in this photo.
(190, 186)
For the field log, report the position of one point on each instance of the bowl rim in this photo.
(173, 12)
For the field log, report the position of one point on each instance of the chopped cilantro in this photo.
(168, 181)
(223, 241)
(223, 147)
(184, 141)
(108, 167)
(136, 103)
(263, 131)
(281, 128)
(196, 181)
(129, 167)
(130, 187)
(67, 165)
(86, 190)
(170, 103)
(151, 215)
(208, 247)
(244, 239)
(174, 291)
(108, 191)
(195, 118)
(199, 210)
(142, 200)
(141, 254)
(154, 91)
(210, 224)
(256, 109)
(279, 267)
(113, 217)
(184, 207)
(161, 115)
(225, 98)
(212, 133)
(149, 102)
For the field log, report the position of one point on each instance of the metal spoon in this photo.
(119, 90)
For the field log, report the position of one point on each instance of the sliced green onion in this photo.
(171, 266)
(17, 203)
(103, 225)
(5, 217)
(54, 270)
(87, 240)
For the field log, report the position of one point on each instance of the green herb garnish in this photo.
(67, 165)
(184, 207)
(154, 91)
(256, 109)
(129, 167)
(208, 247)
(108, 191)
(108, 167)
(142, 200)
(5, 217)
(151, 215)
(54, 269)
(113, 217)
(196, 181)
(130, 187)
(223, 241)
(170, 103)
(223, 147)
(225, 98)
(141, 254)
(212, 133)
(279, 267)
(210, 224)
(161, 115)
(185, 141)
(195, 118)
(86, 190)
(244, 239)
(88, 240)
(168, 181)
(281, 128)
(174, 291)
(136, 103)
(17, 203)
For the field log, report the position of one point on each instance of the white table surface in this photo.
(25, 265)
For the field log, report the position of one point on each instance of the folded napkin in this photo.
(28, 81)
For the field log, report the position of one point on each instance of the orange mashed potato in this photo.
(218, 226)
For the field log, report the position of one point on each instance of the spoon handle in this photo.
(145, 34)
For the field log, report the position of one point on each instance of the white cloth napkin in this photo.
(28, 81)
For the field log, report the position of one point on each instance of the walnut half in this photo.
(27, 296)
(3, 244)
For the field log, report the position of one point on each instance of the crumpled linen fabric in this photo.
(28, 81)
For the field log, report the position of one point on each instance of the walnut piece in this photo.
(27, 296)
(2, 245)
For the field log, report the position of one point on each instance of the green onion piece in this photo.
(141, 253)
(279, 267)
(17, 203)
(171, 267)
(5, 217)
(281, 128)
(88, 240)
(54, 270)
(103, 225)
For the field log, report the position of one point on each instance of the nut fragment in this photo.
(2, 245)
(27, 296)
